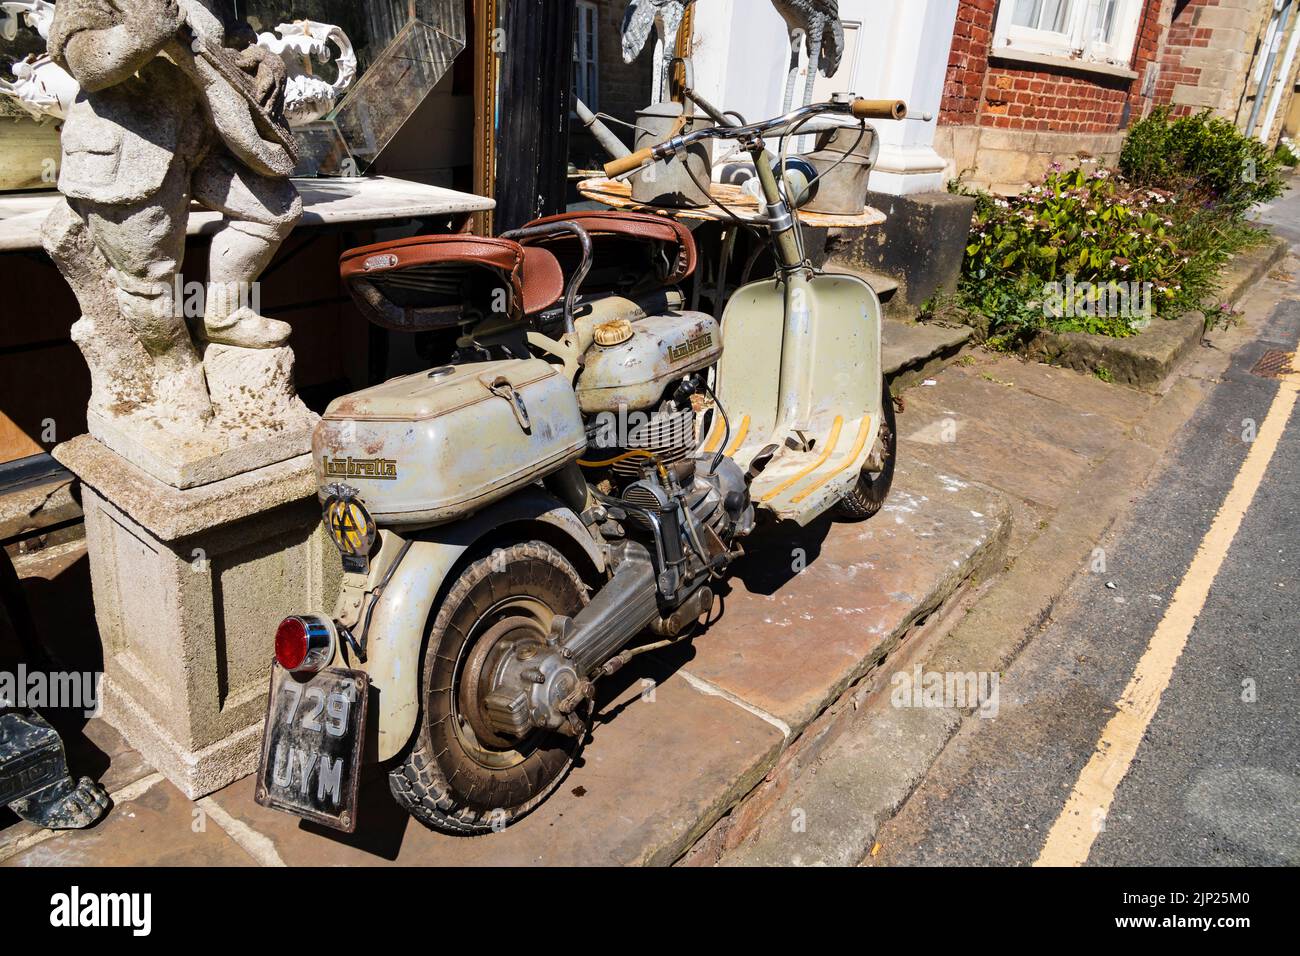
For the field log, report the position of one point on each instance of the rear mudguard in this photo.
(400, 616)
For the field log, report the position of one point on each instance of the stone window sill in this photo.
(1053, 61)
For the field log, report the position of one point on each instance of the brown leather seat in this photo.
(651, 251)
(542, 278)
(427, 282)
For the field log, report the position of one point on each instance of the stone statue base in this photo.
(257, 420)
(189, 586)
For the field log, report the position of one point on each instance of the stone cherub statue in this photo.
(177, 103)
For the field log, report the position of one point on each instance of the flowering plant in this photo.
(1081, 251)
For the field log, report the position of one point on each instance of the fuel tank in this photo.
(644, 358)
(438, 445)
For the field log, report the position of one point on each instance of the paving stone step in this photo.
(913, 350)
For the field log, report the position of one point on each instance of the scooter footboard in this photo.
(801, 382)
(802, 484)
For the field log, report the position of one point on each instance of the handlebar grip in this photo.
(879, 109)
(629, 162)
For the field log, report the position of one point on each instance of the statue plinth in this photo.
(257, 420)
(189, 585)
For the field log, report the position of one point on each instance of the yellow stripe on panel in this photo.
(830, 449)
(863, 432)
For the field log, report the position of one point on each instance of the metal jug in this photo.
(669, 182)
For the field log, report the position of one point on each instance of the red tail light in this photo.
(304, 643)
(291, 643)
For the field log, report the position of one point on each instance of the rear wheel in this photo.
(872, 488)
(460, 776)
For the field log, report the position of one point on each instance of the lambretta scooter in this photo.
(577, 473)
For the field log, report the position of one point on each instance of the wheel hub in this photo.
(515, 681)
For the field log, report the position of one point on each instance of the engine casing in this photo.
(633, 375)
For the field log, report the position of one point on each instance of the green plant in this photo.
(1082, 251)
(1221, 315)
(1203, 157)
(1103, 373)
(1105, 251)
(1286, 154)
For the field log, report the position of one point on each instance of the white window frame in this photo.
(1075, 43)
(587, 12)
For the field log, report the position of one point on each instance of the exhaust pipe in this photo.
(620, 610)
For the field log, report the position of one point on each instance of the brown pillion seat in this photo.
(631, 251)
(432, 282)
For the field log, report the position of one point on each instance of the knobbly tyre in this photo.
(579, 470)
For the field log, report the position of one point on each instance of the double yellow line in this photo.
(1070, 840)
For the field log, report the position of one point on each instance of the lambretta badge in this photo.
(379, 469)
(692, 346)
(385, 261)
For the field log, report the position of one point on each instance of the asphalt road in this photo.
(1216, 779)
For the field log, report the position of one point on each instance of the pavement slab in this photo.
(659, 769)
(1027, 429)
(150, 824)
(1066, 386)
(981, 396)
(995, 454)
(837, 597)
(830, 818)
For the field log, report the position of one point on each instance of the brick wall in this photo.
(1003, 121)
(1207, 56)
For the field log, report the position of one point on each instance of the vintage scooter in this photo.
(578, 471)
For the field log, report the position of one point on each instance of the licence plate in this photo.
(311, 751)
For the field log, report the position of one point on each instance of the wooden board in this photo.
(29, 154)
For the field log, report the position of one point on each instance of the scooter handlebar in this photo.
(859, 109)
(879, 109)
(629, 162)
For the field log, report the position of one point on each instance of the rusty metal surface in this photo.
(313, 745)
(438, 445)
(400, 615)
(1275, 364)
(31, 756)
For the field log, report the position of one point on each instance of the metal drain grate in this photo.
(1275, 364)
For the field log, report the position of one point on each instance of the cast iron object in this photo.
(34, 779)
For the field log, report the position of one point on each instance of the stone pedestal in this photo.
(189, 586)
